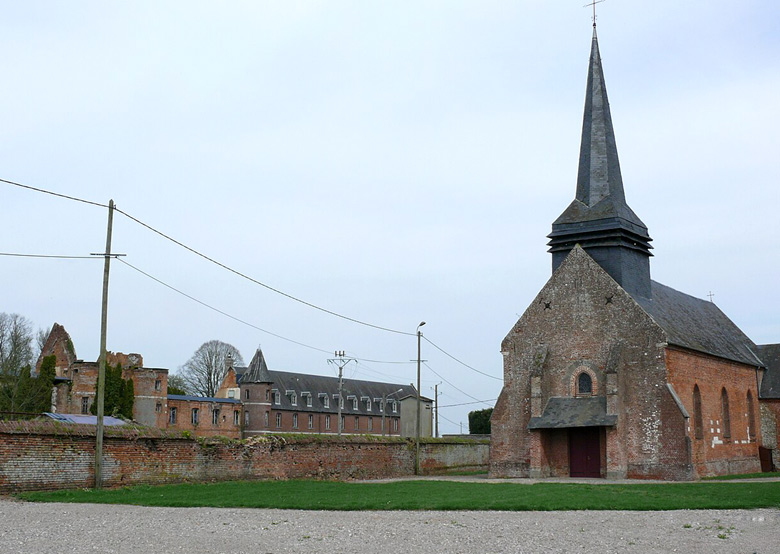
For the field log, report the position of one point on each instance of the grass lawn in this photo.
(432, 495)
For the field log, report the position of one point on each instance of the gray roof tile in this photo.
(698, 325)
(770, 385)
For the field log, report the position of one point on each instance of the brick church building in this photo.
(611, 374)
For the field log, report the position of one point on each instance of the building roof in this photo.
(257, 372)
(84, 419)
(320, 386)
(563, 413)
(770, 385)
(599, 219)
(203, 399)
(600, 192)
(698, 325)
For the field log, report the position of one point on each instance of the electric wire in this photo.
(429, 341)
(450, 384)
(210, 307)
(44, 191)
(213, 261)
(468, 403)
(52, 256)
(260, 283)
(239, 320)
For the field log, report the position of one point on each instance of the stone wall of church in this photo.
(727, 443)
(582, 321)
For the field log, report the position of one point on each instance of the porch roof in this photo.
(563, 413)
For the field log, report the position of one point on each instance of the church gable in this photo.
(582, 308)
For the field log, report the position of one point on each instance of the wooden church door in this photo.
(584, 452)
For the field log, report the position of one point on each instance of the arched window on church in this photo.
(698, 423)
(584, 384)
(751, 417)
(724, 406)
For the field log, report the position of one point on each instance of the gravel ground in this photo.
(61, 528)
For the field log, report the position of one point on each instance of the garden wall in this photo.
(51, 455)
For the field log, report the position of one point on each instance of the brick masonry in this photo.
(50, 455)
(582, 321)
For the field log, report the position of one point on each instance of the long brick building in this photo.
(280, 401)
(611, 374)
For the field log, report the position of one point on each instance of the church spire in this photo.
(599, 219)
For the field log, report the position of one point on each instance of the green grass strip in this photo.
(432, 495)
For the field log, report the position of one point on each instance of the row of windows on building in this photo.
(360, 424)
(173, 415)
(698, 421)
(367, 424)
(308, 400)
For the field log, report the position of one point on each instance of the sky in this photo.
(392, 162)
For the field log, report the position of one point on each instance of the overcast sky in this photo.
(390, 161)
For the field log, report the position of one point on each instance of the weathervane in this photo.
(593, 3)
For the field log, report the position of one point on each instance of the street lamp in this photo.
(419, 408)
(384, 407)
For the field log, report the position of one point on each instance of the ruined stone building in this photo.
(609, 373)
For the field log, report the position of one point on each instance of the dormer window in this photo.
(368, 404)
(395, 407)
(307, 397)
(354, 402)
(325, 400)
(293, 397)
(277, 397)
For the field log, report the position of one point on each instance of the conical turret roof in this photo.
(257, 372)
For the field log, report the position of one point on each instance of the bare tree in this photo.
(16, 339)
(177, 384)
(205, 370)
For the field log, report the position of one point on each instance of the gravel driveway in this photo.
(61, 528)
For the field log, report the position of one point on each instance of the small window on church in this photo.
(724, 402)
(698, 422)
(584, 384)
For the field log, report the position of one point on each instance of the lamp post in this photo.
(419, 406)
(384, 407)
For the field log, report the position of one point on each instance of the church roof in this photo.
(698, 325)
(770, 385)
(600, 194)
(257, 372)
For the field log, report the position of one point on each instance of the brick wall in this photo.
(714, 453)
(50, 455)
(226, 422)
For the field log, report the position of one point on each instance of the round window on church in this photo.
(584, 384)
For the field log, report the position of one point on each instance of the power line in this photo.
(212, 260)
(239, 320)
(450, 384)
(210, 307)
(48, 256)
(255, 281)
(460, 362)
(75, 199)
(469, 403)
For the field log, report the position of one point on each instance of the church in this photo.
(609, 373)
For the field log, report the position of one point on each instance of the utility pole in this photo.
(101, 392)
(436, 406)
(341, 362)
(419, 406)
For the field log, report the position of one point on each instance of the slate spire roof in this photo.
(599, 219)
(257, 372)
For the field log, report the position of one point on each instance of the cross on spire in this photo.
(593, 3)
